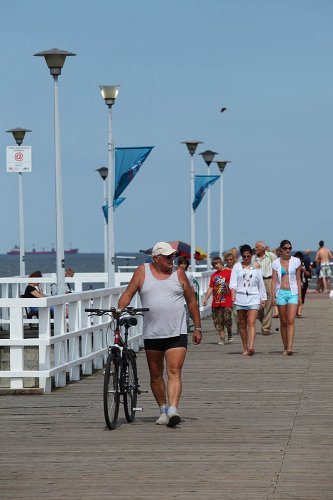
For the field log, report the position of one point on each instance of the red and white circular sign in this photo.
(18, 156)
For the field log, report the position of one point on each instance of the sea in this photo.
(81, 263)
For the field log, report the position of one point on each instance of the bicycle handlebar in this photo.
(128, 310)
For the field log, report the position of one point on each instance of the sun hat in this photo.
(162, 248)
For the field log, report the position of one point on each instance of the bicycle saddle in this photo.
(128, 321)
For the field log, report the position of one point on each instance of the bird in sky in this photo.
(223, 109)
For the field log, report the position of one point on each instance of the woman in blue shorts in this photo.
(286, 290)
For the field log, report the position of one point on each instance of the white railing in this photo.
(68, 343)
(14, 286)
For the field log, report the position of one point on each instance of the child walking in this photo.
(221, 303)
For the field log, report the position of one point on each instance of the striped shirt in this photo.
(265, 263)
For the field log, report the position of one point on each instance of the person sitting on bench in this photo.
(33, 291)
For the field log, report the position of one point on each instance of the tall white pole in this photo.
(221, 217)
(208, 225)
(221, 165)
(192, 216)
(21, 225)
(60, 255)
(111, 246)
(105, 201)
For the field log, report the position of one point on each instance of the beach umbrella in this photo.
(182, 249)
(200, 254)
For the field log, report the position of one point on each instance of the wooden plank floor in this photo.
(253, 428)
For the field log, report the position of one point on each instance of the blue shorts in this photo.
(247, 308)
(285, 297)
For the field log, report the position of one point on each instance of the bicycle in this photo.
(120, 376)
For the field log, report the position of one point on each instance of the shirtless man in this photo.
(323, 259)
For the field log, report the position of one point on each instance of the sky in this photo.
(177, 63)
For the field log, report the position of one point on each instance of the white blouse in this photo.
(294, 264)
(249, 285)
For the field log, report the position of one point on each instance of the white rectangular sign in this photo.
(18, 158)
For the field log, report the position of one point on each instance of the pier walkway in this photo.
(253, 428)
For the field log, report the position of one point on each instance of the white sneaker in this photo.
(173, 419)
(163, 419)
(230, 339)
(220, 342)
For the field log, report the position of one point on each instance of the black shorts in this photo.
(164, 344)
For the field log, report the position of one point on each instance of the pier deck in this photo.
(253, 428)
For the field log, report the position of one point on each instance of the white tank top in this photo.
(165, 299)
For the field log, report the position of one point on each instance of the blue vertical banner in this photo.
(202, 184)
(128, 162)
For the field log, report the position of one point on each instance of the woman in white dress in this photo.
(248, 293)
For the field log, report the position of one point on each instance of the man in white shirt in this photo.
(264, 259)
(69, 273)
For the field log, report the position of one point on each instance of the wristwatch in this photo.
(199, 329)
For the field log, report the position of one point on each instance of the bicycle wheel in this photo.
(111, 391)
(130, 386)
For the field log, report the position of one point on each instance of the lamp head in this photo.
(109, 93)
(18, 134)
(55, 59)
(103, 172)
(191, 146)
(208, 156)
(222, 164)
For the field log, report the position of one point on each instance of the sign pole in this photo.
(19, 160)
(21, 223)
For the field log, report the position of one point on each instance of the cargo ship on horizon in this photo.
(16, 251)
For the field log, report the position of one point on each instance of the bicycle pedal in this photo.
(137, 409)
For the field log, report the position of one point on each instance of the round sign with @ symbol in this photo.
(18, 156)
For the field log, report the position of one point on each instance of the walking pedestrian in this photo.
(163, 289)
(323, 260)
(286, 290)
(305, 276)
(221, 304)
(264, 258)
(248, 294)
(230, 260)
(184, 263)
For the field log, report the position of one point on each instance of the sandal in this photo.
(251, 352)
(290, 353)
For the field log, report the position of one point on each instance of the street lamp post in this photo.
(192, 146)
(55, 59)
(103, 172)
(109, 94)
(208, 157)
(18, 134)
(221, 165)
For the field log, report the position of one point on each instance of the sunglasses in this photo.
(169, 257)
(287, 248)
